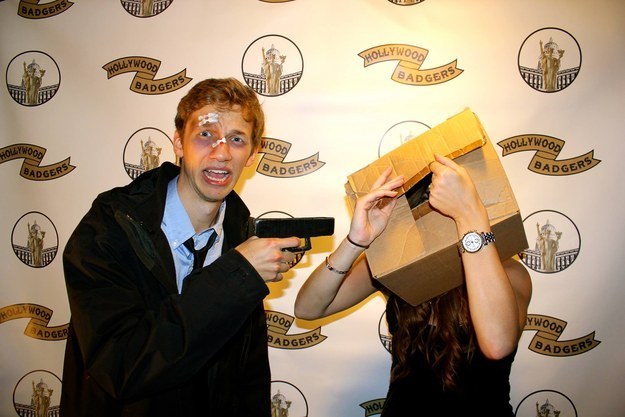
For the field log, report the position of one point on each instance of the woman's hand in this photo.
(372, 211)
(452, 191)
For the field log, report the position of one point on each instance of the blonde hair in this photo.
(224, 94)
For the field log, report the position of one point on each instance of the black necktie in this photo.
(199, 255)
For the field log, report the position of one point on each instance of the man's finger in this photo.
(289, 242)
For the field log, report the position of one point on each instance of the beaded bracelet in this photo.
(330, 268)
(356, 244)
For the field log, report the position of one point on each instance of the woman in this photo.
(451, 355)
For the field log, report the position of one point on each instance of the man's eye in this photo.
(205, 134)
(239, 140)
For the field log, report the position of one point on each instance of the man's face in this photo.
(216, 147)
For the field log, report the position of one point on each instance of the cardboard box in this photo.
(416, 257)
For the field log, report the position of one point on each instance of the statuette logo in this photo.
(549, 60)
(556, 244)
(272, 65)
(546, 403)
(33, 78)
(145, 8)
(37, 394)
(147, 149)
(35, 240)
(287, 400)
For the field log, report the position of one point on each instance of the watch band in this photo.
(489, 237)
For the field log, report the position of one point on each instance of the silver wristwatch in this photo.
(474, 241)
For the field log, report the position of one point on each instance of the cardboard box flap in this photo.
(456, 136)
(404, 240)
(494, 190)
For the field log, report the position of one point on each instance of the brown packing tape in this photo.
(456, 136)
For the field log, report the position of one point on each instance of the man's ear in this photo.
(250, 160)
(178, 144)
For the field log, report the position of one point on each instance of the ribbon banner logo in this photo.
(548, 331)
(546, 150)
(31, 9)
(277, 326)
(272, 163)
(32, 155)
(37, 327)
(145, 70)
(408, 69)
(373, 407)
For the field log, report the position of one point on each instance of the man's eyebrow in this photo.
(237, 132)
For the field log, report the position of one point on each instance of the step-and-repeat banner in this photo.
(88, 96)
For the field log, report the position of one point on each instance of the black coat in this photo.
(138, 348)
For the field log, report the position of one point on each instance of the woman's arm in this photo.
(335, 285)
(499, 293)
(327, 292)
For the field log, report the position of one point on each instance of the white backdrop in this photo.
(334, 113)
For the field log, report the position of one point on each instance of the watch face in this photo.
(472, 242)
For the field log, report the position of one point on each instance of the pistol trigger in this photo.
(304, 248)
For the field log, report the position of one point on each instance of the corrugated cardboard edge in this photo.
(456, 136)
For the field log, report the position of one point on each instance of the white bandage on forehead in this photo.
(208, 118)
(222, 140)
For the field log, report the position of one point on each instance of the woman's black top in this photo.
(484, 388)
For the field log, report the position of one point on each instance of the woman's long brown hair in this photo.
(435, 328)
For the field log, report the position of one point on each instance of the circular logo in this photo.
(35, 240)
(400, 133)
(549, 60)
(37, 393)
(385, 335)
(287, 400)
(33, 78)
(145, 8)
(554, 241)
(546, 403)
(146, 149)
(406, 2)
(272, 65)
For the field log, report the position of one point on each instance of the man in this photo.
(150, 334)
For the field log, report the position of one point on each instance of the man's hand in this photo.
(268, 257)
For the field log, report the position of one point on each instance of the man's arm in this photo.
(135, 337)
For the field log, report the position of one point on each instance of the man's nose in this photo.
(220, 150)
(216, 144)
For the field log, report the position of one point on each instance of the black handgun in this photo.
(302, 227)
